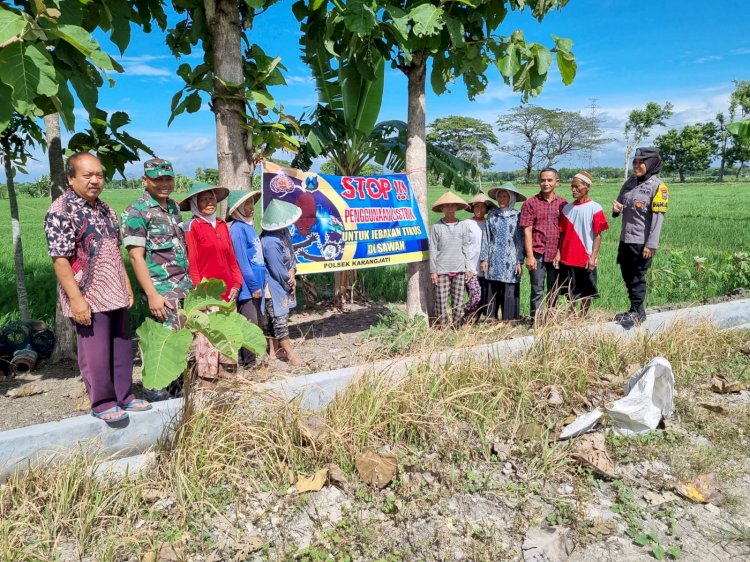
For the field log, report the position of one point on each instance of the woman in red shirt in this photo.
(210, 256)
(209, 245)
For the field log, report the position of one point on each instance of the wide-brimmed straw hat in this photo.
(480, 198)
(447, 198)
(237, 199)
(280, 214)
(507, 186)
(221, 193)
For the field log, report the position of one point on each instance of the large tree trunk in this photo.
(223, 21)
(723, 163)
(65, 336)
(55, 155)
(682, 175)
(23, 297)
(628, 150)
(419, 289)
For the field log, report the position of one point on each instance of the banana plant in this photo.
(344, 125)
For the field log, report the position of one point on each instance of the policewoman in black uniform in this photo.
(642, 202)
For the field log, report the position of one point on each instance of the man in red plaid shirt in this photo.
(540, 220)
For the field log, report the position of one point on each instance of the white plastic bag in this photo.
(649, 396)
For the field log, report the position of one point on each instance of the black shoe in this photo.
(631, 319)
(620, 315)
(156, 395)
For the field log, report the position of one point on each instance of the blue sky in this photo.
(629, 53)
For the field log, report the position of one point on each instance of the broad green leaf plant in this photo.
(164, 352)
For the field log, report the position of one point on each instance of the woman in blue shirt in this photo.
(249, 253)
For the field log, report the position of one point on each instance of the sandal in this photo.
(137, 405)
(111, 415)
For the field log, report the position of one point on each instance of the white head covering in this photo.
(210, 219)
(239, 215)
(511, 202)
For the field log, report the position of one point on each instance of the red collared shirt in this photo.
(544, 218)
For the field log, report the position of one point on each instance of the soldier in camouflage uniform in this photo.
(154, 237)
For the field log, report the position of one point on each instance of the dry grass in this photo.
(228, 448)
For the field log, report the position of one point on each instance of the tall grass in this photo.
(233, 445)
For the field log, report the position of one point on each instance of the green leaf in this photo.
(207, 293)
(563, 43)
(225, 333)
(543, 59)
(568, 67)
(509, 64)
(6, 106)
(163, 352)
(255, 4)
(455, 30)
(65, 103)
(263, 98)
(84, 43)
(658, 552)
(362, 97)
(197, 320)
(359, 18)
(440, 75)
(740, 129)
(253, 338)
(193, 102)
(11, 25)
(118, 119)
(86, 90)
(400, 22)
(642, 539)
(28, 70)
(427, 18)
(674, 551)
(120, 23)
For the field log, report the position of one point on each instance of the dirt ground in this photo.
(324, 338)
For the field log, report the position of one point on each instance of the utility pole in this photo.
(593, 116)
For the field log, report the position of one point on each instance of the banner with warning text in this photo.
(348, 222)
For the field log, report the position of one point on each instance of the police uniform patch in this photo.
(660, 201)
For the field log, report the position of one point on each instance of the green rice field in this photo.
(705, 219)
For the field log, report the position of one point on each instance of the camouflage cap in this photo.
(157, 167)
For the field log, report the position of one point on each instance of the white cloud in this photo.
(294, 79)
(709, 58)
(197, 144)
(143, 69)
(142, 59)
(745, 51)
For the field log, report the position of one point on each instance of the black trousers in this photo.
(633, 267)
(484, 303)
(544, 270)
(506, 296)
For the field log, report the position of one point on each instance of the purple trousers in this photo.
(105, 357)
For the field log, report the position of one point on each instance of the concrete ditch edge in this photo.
(48, 442)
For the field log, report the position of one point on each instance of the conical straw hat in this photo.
(480, 198)
(238, 197)
(280, 214)
(221, 193)
(507, 186)
(446, 198)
